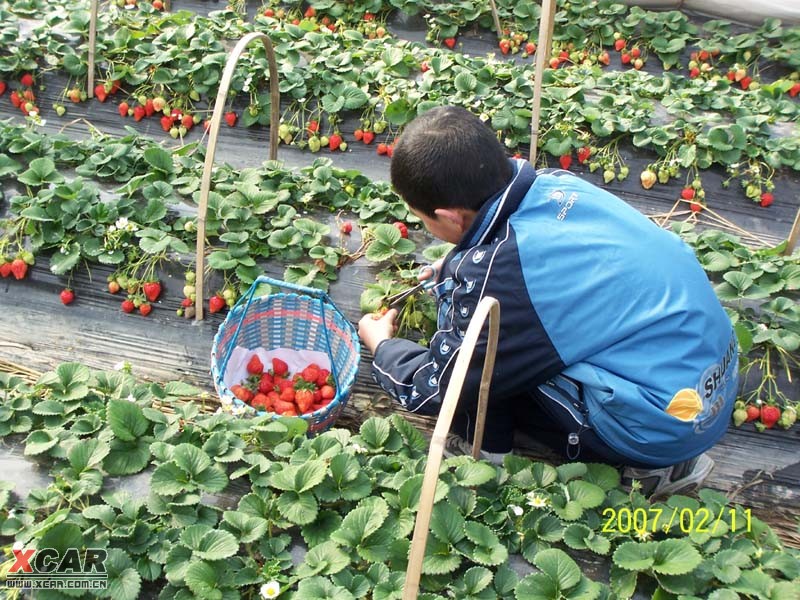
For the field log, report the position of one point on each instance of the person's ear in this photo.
(451, 216)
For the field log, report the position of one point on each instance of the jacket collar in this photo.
(496, 211)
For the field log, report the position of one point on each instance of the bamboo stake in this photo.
(496, 18)
(490, 307)
(216, 120)
(167, 4)
(92, 43)
(791, 241)
(545, 42)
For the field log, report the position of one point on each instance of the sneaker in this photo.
(455, 445)
(667, 481)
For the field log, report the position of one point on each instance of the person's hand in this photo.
(430, 271)
(373, 329)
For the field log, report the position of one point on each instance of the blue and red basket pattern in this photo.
(307, 320)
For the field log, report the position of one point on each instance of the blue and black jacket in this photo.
(591, 289)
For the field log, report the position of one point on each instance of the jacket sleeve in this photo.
(409, 373)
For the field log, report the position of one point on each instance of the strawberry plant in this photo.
(345, 502)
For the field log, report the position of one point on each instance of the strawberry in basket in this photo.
(284, 393)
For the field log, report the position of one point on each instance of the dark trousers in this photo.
(553, 414)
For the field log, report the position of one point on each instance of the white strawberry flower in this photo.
(537, 501)
(131, 398)
(517, 510)
(643, 535)
(358, 449)
(122, 223)
(271, 589)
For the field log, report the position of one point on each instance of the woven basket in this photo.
(307, 320)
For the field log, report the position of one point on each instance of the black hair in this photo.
(448, 158)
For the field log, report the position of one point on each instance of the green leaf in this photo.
(201, 578)
(159, 159)
(39, 441)
(88, 453)
(320, 588)
(475, 474)
(126, 419)
(537, 586)
(124, 581)
(326, 558)
(361, 522)
(65, 259)
(127, 458)
(557, 565)
(216, 545)
(634, 556)
(169, 479)
(447, 523)
(246, 527)
(190, 458)
(675, 557)
(61, 537)
(588, 495)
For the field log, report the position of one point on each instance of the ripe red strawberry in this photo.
(313, 126)
(619, 45)
(424, 66)
(310, 12)
(584, 153)
(505, 46)
(390, 150)
(745, 82)
(216, 303)
(152, 289)
(100, 92)
(279, 367)
(261, 401)
(310, 373)
(2, 87)
(368, 136)
(26, 80)
(346, 227)
(230, 118)
(128, 306)
(334, 141)
(15, 99)
(753, 412)
(67, 296)
(324, 377)
(255, 366)
(304, 399)
(206, 124)
(242, 393)
(766, 199)
(113, 286)
(625, 58)
(382, 148)
(358, 134)
(266, 384)
(565, 160)
(695, 207)
(186, 302)
(530, 48)
(287, 394)
(150, 107)
(5, 269)
(793, 91)
(635, 52)
(402, 228)
(450, 42)
(284, 407)
(166, 123)
(731, 75)
(145, 308)
(687, 193)
(269, 12)
(604, 58)
(187, 121)
(19, 268)
(139, 113)
(327, 392)
(123, 109)
(770, 415)
(694, 73)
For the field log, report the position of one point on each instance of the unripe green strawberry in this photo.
(314, 144)
(608, 175)
(324, 141)
(379, 127)
(188, 290)
(739, 416)
(190, 276)
(788, 417)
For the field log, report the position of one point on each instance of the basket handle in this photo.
(490, 307)
(247, 298)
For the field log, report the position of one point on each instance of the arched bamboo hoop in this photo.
(496, 18)
(92, 43)
(487, 307)
(791, 241)
(213, 133)
(543, 46)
